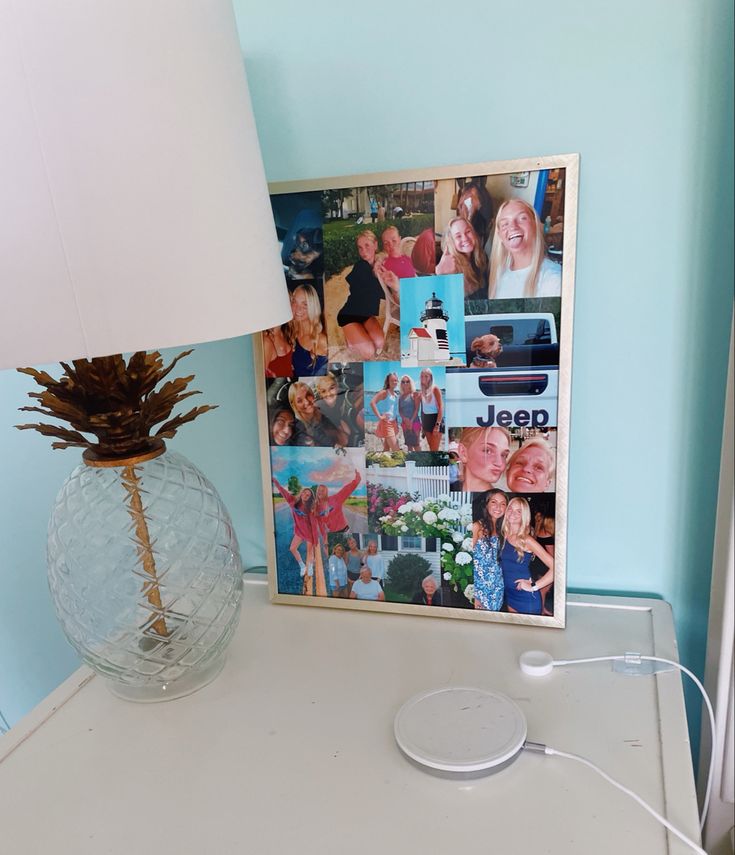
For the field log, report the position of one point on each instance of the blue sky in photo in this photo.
(374, 374)
(450, 289)
(319, 466)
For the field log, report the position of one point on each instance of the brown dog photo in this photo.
(485, 349)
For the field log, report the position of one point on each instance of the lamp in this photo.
(134, 215)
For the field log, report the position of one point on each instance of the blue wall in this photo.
(644, 92)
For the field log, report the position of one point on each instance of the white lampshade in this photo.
(134, 211)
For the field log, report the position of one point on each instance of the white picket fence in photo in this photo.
(427, 481)
(461, 499)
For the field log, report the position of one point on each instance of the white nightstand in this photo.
(291, 749)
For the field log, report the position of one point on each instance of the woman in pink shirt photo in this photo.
(306, 528)
(396, 262)
(329, 509)
(395, 265)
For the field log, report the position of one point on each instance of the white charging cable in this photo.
(537, 663)
(546, 749)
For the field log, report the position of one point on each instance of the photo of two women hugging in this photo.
(317, 411)
(513, 554)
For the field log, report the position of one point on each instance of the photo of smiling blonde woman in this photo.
(519, 266)
(409, 402)
(358, 317)
(385, 407)
(312, 427)
(309, 356)
(463, 253)
(522, 594)
(531, 468)
(431, 409)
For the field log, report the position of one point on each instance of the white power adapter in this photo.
(536, 663)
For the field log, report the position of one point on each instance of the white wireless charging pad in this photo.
(460, 732)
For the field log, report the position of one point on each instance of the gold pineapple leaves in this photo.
(70, 437)
(116, 402)
(169, 429)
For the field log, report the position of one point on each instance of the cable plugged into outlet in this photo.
(634, 665)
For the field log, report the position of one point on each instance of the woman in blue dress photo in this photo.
(309, 357)
(486, 533)
(522, 594)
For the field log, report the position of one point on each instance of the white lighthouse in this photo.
(434, 319)
(429, 343)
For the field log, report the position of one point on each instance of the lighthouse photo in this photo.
(432, 321)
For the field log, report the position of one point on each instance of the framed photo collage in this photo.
(415, 407)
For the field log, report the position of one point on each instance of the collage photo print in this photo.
(412, 397)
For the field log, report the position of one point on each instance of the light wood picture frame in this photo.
(414, 413)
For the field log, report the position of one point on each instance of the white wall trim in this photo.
(718, 830)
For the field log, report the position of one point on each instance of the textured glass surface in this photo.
(145, 573)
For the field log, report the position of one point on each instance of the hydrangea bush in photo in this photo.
(441, 518)
(384, 502)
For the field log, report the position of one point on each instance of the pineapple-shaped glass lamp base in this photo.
(145, 573)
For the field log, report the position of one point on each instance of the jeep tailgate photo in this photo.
(519, 385)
